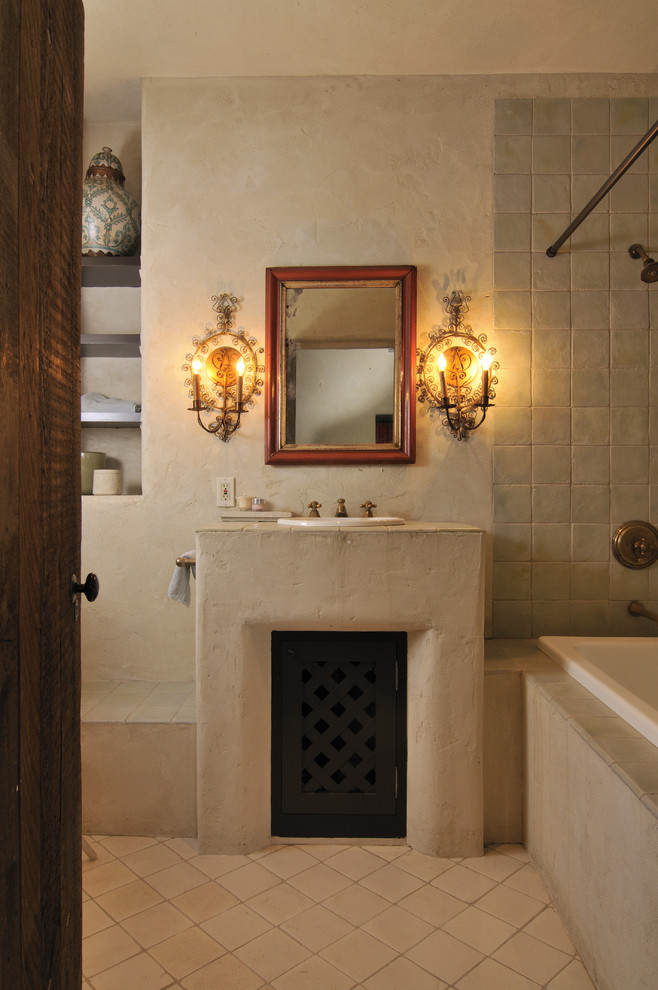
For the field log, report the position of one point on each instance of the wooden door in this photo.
(41, 71)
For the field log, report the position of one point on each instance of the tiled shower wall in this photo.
(576, 421)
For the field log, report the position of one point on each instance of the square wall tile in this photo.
(629, 387)
(590, 116)
(591, 387)
(590, 465)
(511, 542)
(629, 465)
(551, 274)
(511, 503)
(551, 542)
(551, 582)
(594, 235)
(512, 270)
(625, 272)
(511, 310)
(551, 154)
(513, 348)
(551, 387)
(590, 270)
(629, 425)
(551, 194)
(511, 620)
(551, 424)
(512, 193)
(630, 349)
(629, 115)
(513, 154)
(627, 229)
(629, 502)
(629, 310)
(590, 618)
(591, 349)
(551, 503)
(512, 425)
(590, 425)
(511, 232)
(551, 311)
(550, 619)
(511, 580)
(512, 465)
(513, 116)
(551, 348)
(590, 153)
(630, 195)
(590, 581)
(590, 541)
(551, 464)
(590, 503)
(590, 310)
(552, 116)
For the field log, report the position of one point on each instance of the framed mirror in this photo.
(340, 364)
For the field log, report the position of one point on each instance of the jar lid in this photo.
(104, 163)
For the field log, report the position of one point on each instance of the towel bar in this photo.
(185, 561)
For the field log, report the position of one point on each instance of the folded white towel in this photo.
(95, 402)
(179, 586)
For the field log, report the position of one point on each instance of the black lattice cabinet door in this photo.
(339, 734)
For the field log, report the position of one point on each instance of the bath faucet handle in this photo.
(368, 506)
(314, 506)
(341, 511)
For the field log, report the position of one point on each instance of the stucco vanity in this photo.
(425, 579)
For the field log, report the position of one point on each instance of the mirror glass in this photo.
(340, 353)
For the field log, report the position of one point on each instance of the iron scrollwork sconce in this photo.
(455, 371)
(223, 372)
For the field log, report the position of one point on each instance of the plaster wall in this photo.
(244, 173)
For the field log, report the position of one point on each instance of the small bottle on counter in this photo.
(258, 505)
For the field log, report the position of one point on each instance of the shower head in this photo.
(649, 271)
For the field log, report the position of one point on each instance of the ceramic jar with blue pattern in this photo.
(110, 215)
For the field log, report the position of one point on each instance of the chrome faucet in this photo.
(314, 506)
(368, 506)
(341, 511)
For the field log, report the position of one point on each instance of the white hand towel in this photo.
(179, 586)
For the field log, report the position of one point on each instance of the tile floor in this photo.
(318, 917)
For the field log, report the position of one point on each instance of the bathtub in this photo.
(621, 671)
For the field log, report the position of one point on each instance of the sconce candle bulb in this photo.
(464, 393)
(229, 362)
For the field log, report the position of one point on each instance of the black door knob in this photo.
(89, 589)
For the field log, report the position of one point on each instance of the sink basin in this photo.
(340, 522)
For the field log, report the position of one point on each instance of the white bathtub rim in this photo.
(625, 703)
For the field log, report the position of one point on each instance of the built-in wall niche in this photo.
(339, 734)
(110, 364)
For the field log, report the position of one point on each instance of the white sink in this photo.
(340, 522)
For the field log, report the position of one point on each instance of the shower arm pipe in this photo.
(641, 146)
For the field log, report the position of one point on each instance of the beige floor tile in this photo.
(177, 879)
(391, 883)
(528, 881)
(286, 861)
(106, 949)
(548, 927)
(225, 973)
(103, 856)
(515, 850)
(185, 848)
(510, 905)
(491, 975)
(94, 919)
(182, 954)
(389, 853)
(150, 860)
(359, 955)
(479, 930)
(248, 881)
(129, 899)
(573, 977)
(424, 867)
(493, 864)
(122, 845)
(432, 905)
(402, 974)
(320, 882)
(463, 883)
(217, 866)
(321, 850)
(534, 959)
(272, 954)
(109, 876)
(280, 903)
(314, 974)
(356, 904)
(317, 928)
(139, 973)
(355, 862)
(204, 902)
(155, 924)
(236, 926)
(445, 956)
(397, 928)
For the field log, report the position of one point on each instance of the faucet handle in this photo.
(368, 506)
(314, 506)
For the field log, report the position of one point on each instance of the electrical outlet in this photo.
(226, 492)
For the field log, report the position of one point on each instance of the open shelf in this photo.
(114, 272)
(116, 345)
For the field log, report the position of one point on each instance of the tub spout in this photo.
(637, 609)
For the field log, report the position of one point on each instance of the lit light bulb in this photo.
(442, 362)
(485, 361)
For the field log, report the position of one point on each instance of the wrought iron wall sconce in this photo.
(455, 371)
(223, 372)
